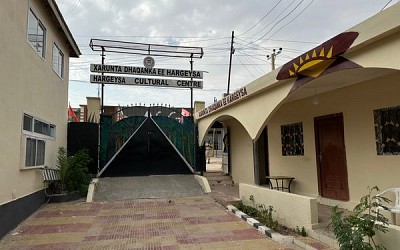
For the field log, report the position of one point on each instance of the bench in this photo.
(50, 176)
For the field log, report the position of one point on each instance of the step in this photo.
(220, 182)
(218, 173)
(219, 178)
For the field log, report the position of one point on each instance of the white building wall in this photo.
(241, 153)
(357, 103)
(28, 85)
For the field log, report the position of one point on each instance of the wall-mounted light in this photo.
(315, 99)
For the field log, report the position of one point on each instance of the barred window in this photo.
(387, 130)
(292, 139)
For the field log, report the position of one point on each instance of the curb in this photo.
(203, 183)
(261, 228)
(91, 189)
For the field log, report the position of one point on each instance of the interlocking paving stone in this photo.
(179, 223)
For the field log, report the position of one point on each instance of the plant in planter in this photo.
(74, 177)
(357, 230)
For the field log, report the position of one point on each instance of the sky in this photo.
(260, 26)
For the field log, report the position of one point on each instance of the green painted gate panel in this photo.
(113, 136)
(180, 134)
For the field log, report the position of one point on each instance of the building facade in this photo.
(329, 118)
(36, 47)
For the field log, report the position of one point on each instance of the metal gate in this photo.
(146, 140)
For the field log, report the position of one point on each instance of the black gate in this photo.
(146, 141)
(84, 135)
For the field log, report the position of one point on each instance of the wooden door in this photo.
(331, 157)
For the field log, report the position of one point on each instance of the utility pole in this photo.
(230, 62)
(273, 56)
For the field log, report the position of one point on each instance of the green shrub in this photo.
(265, 216)
(261, 213)
(301, 231)
(74, 172)
(357, 230)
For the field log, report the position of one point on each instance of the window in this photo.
(58, 61)
(36, 126)
(36, 133)
(387, 130)
(292, 139)
(35, 150)
(36, 33)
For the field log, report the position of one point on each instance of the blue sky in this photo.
(260, 26)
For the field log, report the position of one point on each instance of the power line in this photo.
(273, 21)
(72, 8)
(245, 66)
(256, 66)
(386, 5)
(261, 18)
(301, 12)
(273, 26)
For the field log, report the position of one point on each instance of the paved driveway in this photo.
(152, 186)
(178, 223)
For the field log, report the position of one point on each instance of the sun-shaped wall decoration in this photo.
(316, 61)
(312, 65)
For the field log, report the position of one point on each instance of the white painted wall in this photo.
(365, 167)
(28, 84)
(291, 210)
(241, 153)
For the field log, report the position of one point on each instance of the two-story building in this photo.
(36, 45)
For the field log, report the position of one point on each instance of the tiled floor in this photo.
(180, 223)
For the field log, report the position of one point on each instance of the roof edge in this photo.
(74, 49)
(377, 27)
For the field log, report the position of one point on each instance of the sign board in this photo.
(116, 69)
(227, 100)
(154, 82)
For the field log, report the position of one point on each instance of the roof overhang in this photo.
(55, 11)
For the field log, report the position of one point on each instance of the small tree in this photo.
(78, 177)
(357, 230)
(73, 170)
(63, 166)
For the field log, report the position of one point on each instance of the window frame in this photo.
(52, 128)
(38, 24)
(293, 127)
(36, 156)
(29, 132)
(387, 131)
(59, 70)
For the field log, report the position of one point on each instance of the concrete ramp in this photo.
(144, 187)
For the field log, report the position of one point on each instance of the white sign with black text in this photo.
(155, 82)
(117, 69)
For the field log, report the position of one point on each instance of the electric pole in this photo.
(273, 56)
(230, 62)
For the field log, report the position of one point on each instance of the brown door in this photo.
(331, 157)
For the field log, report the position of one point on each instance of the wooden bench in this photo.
(50, 175)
